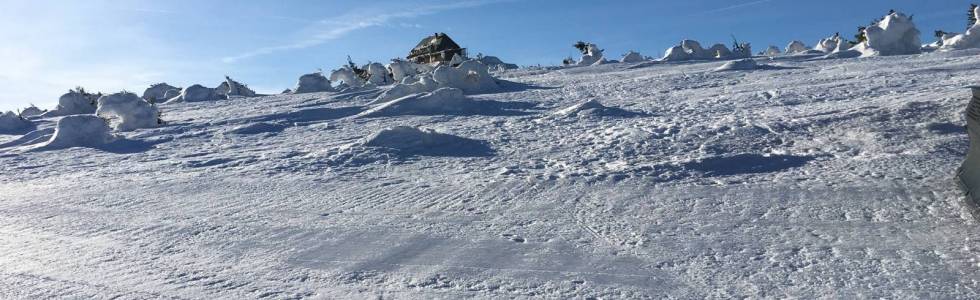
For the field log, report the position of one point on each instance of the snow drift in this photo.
(406, 140)
(128, 111)
(966, 40)
(894, 35)
(739, 65)
(312, 83)
(79, 131)
(158, 92)
(11, 123)
(440, 101)
(592, 108)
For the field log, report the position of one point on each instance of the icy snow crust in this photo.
(830, 179)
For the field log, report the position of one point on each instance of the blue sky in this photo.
(50, 46)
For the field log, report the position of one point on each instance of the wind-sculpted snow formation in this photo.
(158, 93)
(312, 83)
(692, 50)
(74, 103)
(11, 123)
(966, 40)
(894, 35)
(197, 93)
(79, 131)
(471, 77)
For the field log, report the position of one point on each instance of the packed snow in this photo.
(806, 178)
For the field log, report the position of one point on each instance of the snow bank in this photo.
(232, 88)
(633, 57)
(440, 101)
(128, 111)
(73, 103)
(11, 123)
(312, 83)
(197, 93)
(158, 92)
(966, 40)
(796, 47)
(739, 65)
(894, 35)
(79, 131)
(471, 76)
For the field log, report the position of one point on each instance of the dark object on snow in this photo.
(437, 48)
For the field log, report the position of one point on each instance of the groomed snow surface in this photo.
(817, 179)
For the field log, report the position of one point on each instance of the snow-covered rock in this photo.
(73, 103)
(312, 83)
(894, 35)
(158, 92)
(79, 131)
(11, 123)
(796, 47)
(197, 93)
(128, 111)
(772, 51)
(966, 40)
(632, 57)
(739, 65)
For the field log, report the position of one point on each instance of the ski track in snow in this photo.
(821, 178)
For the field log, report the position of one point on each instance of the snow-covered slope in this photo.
(821, 178)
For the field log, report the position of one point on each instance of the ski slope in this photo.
(807, 178)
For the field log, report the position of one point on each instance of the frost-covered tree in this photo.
(582, 47)
(971, 16)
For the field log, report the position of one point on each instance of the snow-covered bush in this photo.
(966, 40)
(197, 93)
(75, 102)
(591, 54)
(232, 88)
(346, 76)
(401, 69)
(495, 63)
(894, 35)
(796, 47)
(158, 92)
(11, 123)
(79, 131)
(378, 74)
(772, 51)
(633, 57)
(31, 111)
(128, 111)
(312, 83)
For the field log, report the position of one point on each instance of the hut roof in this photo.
(439, 41)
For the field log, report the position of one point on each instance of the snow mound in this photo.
(407, 140)
(691, 50)
(158, 92)
(197, 93)
(128, 111)
(718, 51)
(31, 112)
(796, 47)
(966, 40)
(74, 103)
(346, 76)
(440, 101)
(11, 123)
(401, 69)
(739, 65)
(592, 108)
(312, 83)
(378, 74)
(232, 88)
(79, 131)
(633, 57)
(894, 35)
(676, 53)
(828, 45)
